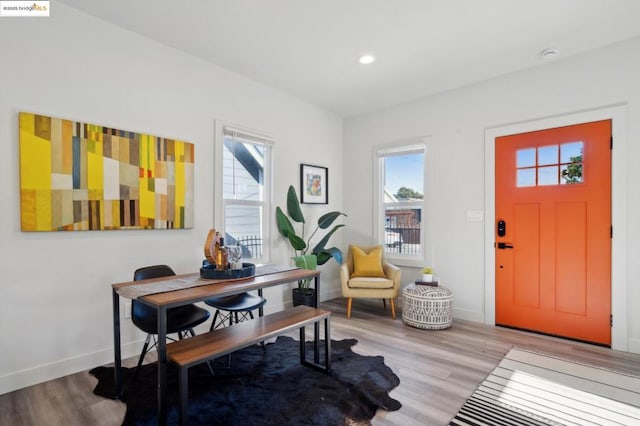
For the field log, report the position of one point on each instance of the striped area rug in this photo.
(529, 388)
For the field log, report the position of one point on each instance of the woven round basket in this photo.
(427, 307)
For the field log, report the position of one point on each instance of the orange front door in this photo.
(553, 231)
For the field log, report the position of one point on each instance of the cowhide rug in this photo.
(265, 387)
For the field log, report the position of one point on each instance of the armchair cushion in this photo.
(367, 264)
(370, 282)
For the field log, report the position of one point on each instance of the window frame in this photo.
(220, 203)
(426, 229)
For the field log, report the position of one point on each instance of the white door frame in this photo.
(619, 130)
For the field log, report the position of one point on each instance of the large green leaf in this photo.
(323, 242)
(325, 255)
(336, 253)
(307, 261)
(296, 242)
(327, 219)
(293, 206)
(284, 224)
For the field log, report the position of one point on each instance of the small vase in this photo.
(427, 278)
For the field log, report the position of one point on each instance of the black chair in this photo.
(180, 320)
(234, 308)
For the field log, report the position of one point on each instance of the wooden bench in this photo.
(205, 347)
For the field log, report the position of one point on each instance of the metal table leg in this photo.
(162, 365)
(316, 326)
(116, 344)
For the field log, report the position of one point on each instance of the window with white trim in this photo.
(245, 186)
(400, 197)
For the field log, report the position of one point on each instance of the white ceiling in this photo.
(310, 48)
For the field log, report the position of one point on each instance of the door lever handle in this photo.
(503, 246)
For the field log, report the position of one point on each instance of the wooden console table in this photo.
(206, 289)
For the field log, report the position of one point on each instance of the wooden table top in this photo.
(214, 288)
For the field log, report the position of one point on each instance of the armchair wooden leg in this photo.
(393, 308)
(384, 303)
(349, 300)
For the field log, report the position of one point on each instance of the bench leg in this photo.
(303, 354)
(184, 395)
(316, 343)
(327, 344)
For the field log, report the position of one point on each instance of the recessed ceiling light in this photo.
(549, 53)
(367, 59)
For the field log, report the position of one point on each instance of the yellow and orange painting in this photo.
(77, 176)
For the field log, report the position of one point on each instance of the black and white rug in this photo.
(529, 388)
(265, 388)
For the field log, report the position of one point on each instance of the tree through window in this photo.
(401, 192)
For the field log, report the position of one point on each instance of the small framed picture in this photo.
(314, 184)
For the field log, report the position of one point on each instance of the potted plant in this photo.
(427, 274)
(307, 256)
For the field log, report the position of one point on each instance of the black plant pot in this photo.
(304, 296)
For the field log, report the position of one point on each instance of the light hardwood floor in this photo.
(438, 370)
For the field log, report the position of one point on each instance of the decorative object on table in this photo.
(574, 393)
(427, 307)
(222, 258)
(261, 382)
(216, 264)
(307, 257)
(314, 184)
(427, 274)
(367, 274)
(210, 271)
(211, 245)
(77, 176)
(235, 256)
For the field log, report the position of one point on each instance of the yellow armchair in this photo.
(384, 284)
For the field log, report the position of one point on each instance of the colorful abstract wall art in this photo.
(78, 176)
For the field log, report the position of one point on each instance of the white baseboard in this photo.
(468, 315)
(331, 294)
(54, 370)
(634, 345)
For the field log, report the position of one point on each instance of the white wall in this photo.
(456, 122)
(55, 294)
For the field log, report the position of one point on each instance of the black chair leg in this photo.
(215, 318)
(144, 352)
(210, 368)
